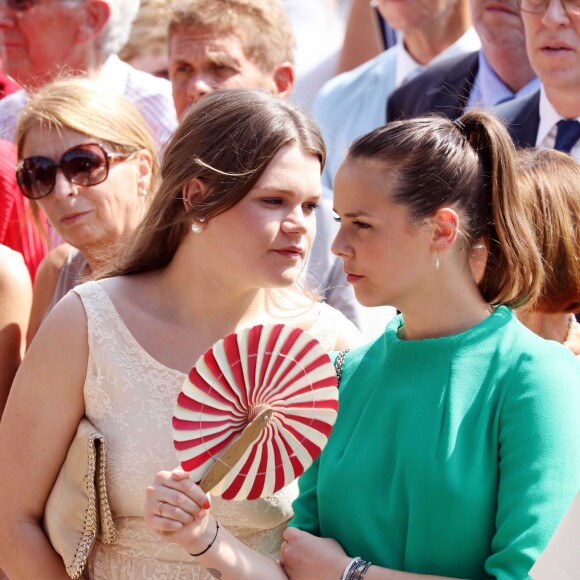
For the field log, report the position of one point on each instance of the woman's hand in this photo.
(309, 557)
(177, 507)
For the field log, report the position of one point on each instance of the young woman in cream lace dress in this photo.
(220, 249)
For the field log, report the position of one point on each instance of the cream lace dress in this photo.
(129, 397)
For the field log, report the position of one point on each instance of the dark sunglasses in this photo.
(19, 5)
(85, 165)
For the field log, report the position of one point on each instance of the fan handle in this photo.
(235, 451)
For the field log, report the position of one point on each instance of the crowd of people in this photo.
(173, 171)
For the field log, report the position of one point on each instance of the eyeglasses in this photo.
(86, 164)
(539, 6)
(19, 5)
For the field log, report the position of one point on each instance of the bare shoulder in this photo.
(319, 318)
(347, 334)
(13, 271)
(48, 273)
(65, 326)
(45, 284)
(52, 263)
(44, 408)
(133, 292)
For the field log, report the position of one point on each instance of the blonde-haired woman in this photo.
(87, 159)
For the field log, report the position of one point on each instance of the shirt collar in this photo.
(406, 67)
(548, 117)
(114, 74)
(490, 90)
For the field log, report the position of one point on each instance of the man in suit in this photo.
(499, 72)
(550, 118)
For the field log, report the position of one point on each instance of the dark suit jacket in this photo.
(522, 117)
(442, 88)
(445, 88)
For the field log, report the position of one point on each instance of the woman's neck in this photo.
(553, 326)
(450, 303)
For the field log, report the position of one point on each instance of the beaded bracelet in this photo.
(217, 529)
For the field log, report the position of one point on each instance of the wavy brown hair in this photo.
(225, 140)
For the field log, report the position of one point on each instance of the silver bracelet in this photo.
(358, 570)
(362, 573)
(347, 570)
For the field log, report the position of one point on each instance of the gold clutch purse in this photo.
(77, 510)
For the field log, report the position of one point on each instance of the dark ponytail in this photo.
(469, 165)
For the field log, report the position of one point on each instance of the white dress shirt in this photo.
(549, 117)
(151, 95)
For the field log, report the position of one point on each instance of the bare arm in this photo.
(177, 505)
(15, 301)
(307, 557)
(44, 287)
(347, 336)
(45, 407)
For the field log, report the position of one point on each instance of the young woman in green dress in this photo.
(457, 446)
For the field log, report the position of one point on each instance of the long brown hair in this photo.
(225, 140)
(470, 165)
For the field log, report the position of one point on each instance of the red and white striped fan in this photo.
(255, 411)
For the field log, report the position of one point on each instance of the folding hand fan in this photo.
(255, 411)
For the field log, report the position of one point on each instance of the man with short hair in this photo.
(550, 118)
(41, 40)
(229, 44)
(499, 72)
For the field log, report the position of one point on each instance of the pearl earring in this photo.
(196, 229)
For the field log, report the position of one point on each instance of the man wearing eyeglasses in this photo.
(550, 118)
(497, 73)
(41, 40)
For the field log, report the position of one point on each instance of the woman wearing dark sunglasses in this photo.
(86, 158)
